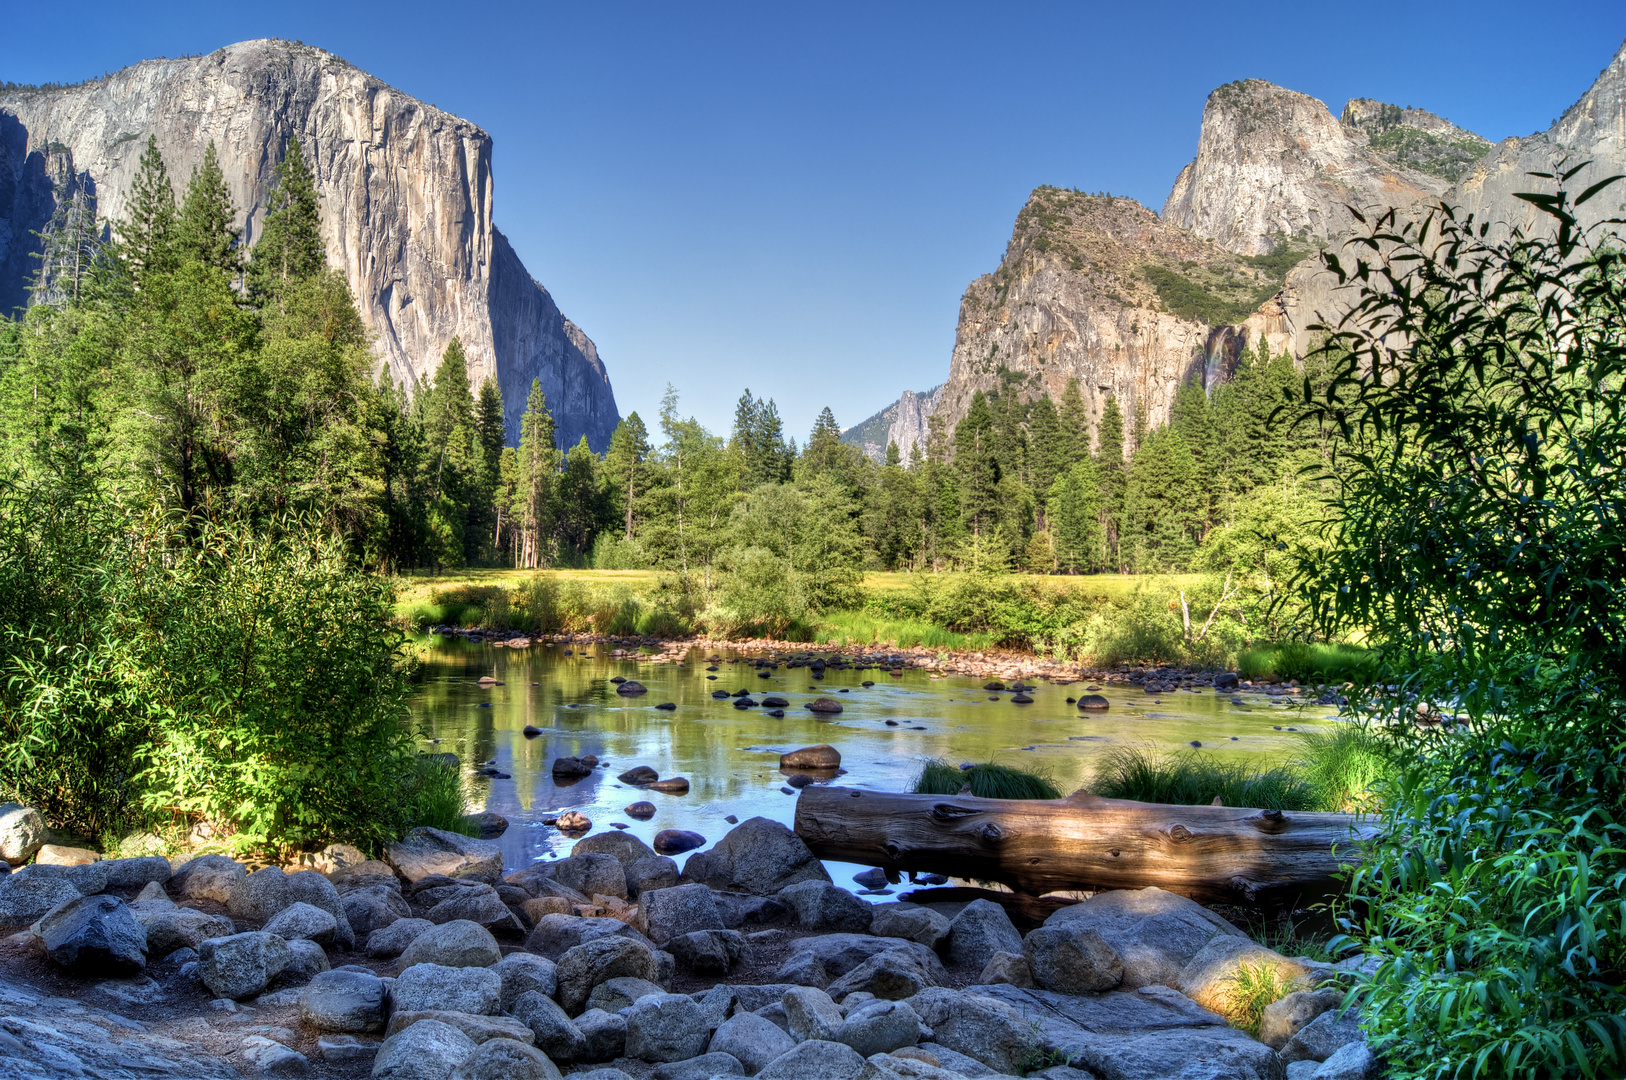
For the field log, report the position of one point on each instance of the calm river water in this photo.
(731, 756)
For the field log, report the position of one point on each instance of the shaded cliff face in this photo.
(406, 204)
(1273, 162)
(902, 422)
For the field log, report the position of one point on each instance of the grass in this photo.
(438, 802)
(1345, 765)
(988, 781)
(1197, 779)
(1109, 586)
(1249, 991)
(1308, 663)
(844, 628)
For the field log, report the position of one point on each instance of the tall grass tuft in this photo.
(988, 781)
(1308, 663)
(436, 798)
(1248, 992)
(1346, 766)
(1194, 779)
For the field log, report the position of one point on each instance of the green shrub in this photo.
(1197, 779)
(1347, 766)
(988, 781)
(613, 552)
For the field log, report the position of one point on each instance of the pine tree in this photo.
(1111, 470)
(1075, 518)
(1139, 425)
(69, 245)
(626, 468)
(578, 502)
(977, 463)
(204, 231)
(490, 432)
(1074, 419)
(893, 457)
(1192, 416)
(537, 463)
(290, 246)
(1049, 454)
(147, 233)
(452, 479)
(824, 450)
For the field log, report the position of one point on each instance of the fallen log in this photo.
(1210, 853)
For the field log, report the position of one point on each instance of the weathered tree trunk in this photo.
(1213, 853)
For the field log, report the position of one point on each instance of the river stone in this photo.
(751, 1040)
(705, 1067)
(343, 1001)
(879, 1027)
(426, 851)
(613, 995)
(677, 841)
(522, 972)
(260, 895)
(1209, 978)
(1094, 703)
(649, 874)
(631, 688)
(428, 1050)
(892, 975)
(62, 855)
(209, 877)
(672, 912)
(241, 965)
(487, 825)
(641, 810)
(95, 935)
(626, 848)
(1324, 1036)
(604, 1034)
(1007, 968)
(980, 930)
(372, 907)
(267, 1057)
(554, 935)
(1155, 933)
(822, 756)
(305, 958)
(459, 943)
(1072, 960)
(480, 905)
(24, 897)
(593, 873)
(639, 775)
(666, 1027)
(170, 926)
(506, 1059)
(758, 856)
(672, 785)
(480, 1027)
(22, 832)
(819, 959)
(815, 1060)
(589, 964)
(571, 766)
(310, 887)
(979, 1026)
(475, 990)
(1287, 1016)
(710, 952)
(555, 1034)
(824, 907)
(392, 940)
(810, 1013)
(136, 872)
(302, 920)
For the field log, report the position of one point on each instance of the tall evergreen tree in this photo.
(537, 463)
(490, 431)
(626, 467)
(1074, 419)
(290, 246)
(204, 230)
(1112, 472)
(1075, 518)
(451, 477)
(578, 502)
(977, 462)
(146, 235)
(824, 450)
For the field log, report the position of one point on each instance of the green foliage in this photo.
(1250, 989)
(1194, 778)
(1348, 766)
(989, 780)
(1206, 297)
(433, 797)
(1437, 155)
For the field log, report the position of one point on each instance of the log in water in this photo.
(1213, 853)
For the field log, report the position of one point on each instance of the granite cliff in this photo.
(407, 204)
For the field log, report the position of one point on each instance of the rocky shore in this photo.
(438, 963)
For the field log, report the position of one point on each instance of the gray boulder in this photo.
(811, 1014)
(1154, 933)
(626, 848)
(477, 1026)
(310, 887)
(426, 851)
(665, 1027)
(428, 1050)
(24, 897)
(649, 874)
(704, 1067)
(892, 976)
(990, 1030)
(879, 1027)
(613, 995)
(522, 972)
(22, 832)
(506, 1059)
(392, 940)
(1324, 1036)
(95, 935)
(305, 958)
(343, 1001)
(757, 856)
(136, 872)
(260, 895)
(475, 990)
(267, 1057)
(302, 920)
(1072, 960)
(479, 905)
(372, 907)
(587, 965)
(1287, 1016)
(1006, 968)
(169, 926)
(980, 930)
(555, 1035)
(911, 922)
(556, 934)
(751, 1040)
(208, 877)
(1352, 1061)
(1209, 978)
(815, 1060)
(593, 873)
(455, 944)
(827, 908)
(241, 965)
(710, 952)
(604, 1035)
(669, 913)
(816, 961)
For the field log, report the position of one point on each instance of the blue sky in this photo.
(792, 198)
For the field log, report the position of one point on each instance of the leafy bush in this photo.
(1197, 779)
(612, 552)
(988, 781)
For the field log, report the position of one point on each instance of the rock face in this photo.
(903, 422)
(406, 196)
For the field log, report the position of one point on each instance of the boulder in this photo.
(1209, 978)
(1094, 703)
(639, 775)
(710, 952)
(751, 1040)
(241, 965)
(425, 851)
(879, 1027)
(892, 976)
(666, 1027)
(815, 1060)
(604, 1035)
(487, 825)
(815, 961)
(538, 908)
(1072, 960)
(1324, 1036)
(742, 909)
(822, 756)
(342, 1049)
(1007, 968)
(480, 905)
(520, 973)
(589, 964)
(651, 873)
(428, 1050)
(136, 872)
(641, 810)
(980, 930)
(1154, 933)
(823, 706)
(61, 855)
(506, 1059)
(677, 841)
(305, 959)
(631, 688)
(22, 832)
(152, 891)
(672, 912)
(555, 1035)
(811, 1014)
(169, 926)
(827, 908)
(594, 873)
(343, 1001)
(1287, 1016)
(392, 940)
(554, 935)
(981, 1027)
(94, 935)
(613, 995)
(338, 860)
(1352, 1061)
(310, 887)
(24, 897)
(373, 907)
(705, 1067)
(302, 920)
(475, 990)
(571, 766)
(209, 877)
(267, 1057)
(455, 944)
(260, 895)
(672, 785)
(626, 848)
(758, 856)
